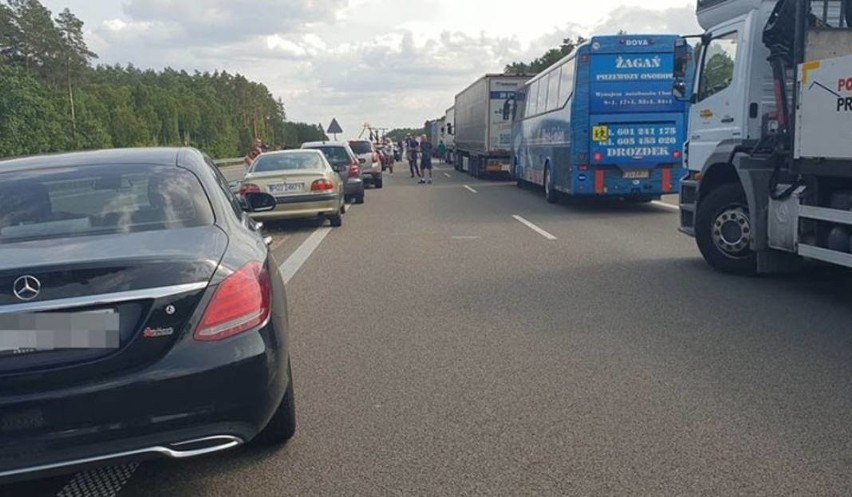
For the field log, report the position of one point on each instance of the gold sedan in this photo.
(303, 183)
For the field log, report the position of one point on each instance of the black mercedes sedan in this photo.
(141, 313)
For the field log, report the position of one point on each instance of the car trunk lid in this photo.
(77, 308)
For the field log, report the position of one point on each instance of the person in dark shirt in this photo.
(412, 146)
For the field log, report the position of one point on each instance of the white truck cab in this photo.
(747, 95)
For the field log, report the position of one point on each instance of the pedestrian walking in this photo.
(425, 160)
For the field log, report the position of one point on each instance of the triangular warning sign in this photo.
(334, 128)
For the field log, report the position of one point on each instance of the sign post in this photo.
(334, 128)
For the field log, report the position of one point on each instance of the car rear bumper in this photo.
(298, 206)
(200, 398)
(354, 187)
(372, 174)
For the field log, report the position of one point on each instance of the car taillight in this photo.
(354, 170)
(375, 157)
(240, 303)
(322, 185)
(249, 188)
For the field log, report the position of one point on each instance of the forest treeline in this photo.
(54, 98)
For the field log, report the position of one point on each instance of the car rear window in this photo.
(361, 147)
(286, 162)
(92, 200)
(335, 155)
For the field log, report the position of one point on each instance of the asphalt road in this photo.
(443, 346)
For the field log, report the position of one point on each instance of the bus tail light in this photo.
(583, 167)
(598, 157)
(676, 154)
(667, 179)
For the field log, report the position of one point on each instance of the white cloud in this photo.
(390, 62)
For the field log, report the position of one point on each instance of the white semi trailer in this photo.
(769, 144)
(483, 124)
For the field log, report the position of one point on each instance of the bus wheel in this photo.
(518, 181)
(549, 192)
(723, 231)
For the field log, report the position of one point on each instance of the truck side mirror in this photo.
(679, 90)
(682, 62)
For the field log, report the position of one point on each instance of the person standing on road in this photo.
(425, 159)
(412, 156)
(441, 151)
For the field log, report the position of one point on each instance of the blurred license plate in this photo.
(636, 174)
(286, 187)
(21, 333)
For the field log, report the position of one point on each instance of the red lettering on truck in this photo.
(844, 84)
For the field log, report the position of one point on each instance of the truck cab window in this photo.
(718, 63)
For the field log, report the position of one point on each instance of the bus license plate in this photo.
(636, 174)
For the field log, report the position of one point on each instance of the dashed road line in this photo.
(666, 205)
(534, 227)
(448, 175)
(470, 189)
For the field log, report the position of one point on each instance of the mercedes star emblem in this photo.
(26, 287)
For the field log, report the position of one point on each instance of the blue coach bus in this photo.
(602, 122)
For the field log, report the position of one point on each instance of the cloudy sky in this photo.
(391, 63)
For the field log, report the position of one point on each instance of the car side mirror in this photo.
(259, 202)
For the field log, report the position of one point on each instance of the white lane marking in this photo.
(291, 266)
(448, 175)
(470, 189)
(534, 227)
(100, 482)
(666, 205)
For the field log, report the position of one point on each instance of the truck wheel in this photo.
(723, 231)
(378, 183)
(549, 192)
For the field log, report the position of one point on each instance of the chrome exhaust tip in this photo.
(201, 446)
